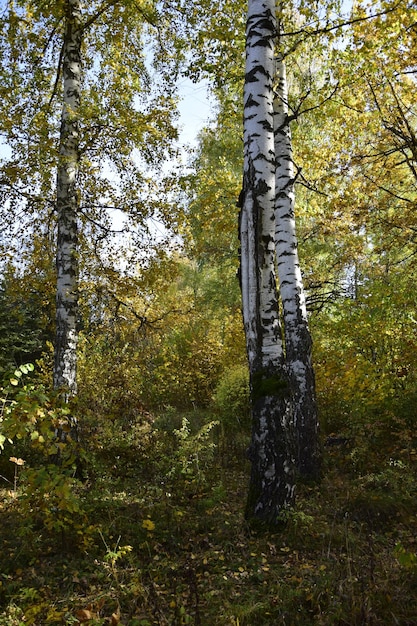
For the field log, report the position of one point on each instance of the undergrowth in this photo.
(154, 535)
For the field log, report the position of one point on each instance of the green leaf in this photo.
(406, 559)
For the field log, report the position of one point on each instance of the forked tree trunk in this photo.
(65, 366)
(271, 488)
(296, 331)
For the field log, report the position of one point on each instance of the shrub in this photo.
(232, 403)
(45, 465)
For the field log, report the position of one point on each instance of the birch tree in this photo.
(84, 129)
(282, 377)
(271, 486)
(65, 366)
(296, 331)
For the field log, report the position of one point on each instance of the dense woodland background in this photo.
(141, 522)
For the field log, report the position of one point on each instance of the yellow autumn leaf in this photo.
(148, 524)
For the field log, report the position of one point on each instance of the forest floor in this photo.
(156, 536)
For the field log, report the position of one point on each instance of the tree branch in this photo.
(328, 29)
(100, 12)
(389, 191)
(57, 77)
(106, 229)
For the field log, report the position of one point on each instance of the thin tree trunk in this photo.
(296, 330)
(65, 367)
(271, 486)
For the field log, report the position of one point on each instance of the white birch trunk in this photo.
(271, 487)
(258, 253)
(65, 367)
(296, 331)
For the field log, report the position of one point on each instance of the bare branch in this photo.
(100, 12)
(328, 29)
(55, 28)
(106, 230)
(57, 77)
(316, 106)
(305, 183)
(389, 191)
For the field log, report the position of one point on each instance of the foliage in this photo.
(43, 479)
(126, 122)
(167, 346)
(20, 337)
(155, 535)
(174, 550)
(25, 313)
(366, 380)
(213, 187)
(231, 402)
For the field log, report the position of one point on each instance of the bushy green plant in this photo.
(22, 326)
(192, 452)
(378, 498)
(44, 464)
(232, 403)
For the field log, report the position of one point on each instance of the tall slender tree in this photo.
(83, 126)
(271, 486)
(65, 365)
(296, 331)
(282, 377)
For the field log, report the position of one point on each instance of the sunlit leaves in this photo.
(126, 120)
